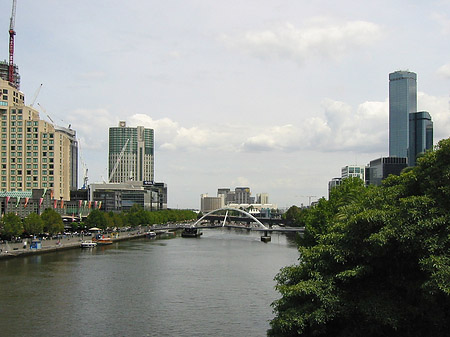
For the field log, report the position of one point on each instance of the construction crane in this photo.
(116, 165)
(36, 95)
(85, 169)
(11, 43)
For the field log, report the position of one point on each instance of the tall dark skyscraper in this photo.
(402, 102)
(420, 135)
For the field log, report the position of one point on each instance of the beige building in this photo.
(34, 153)
(208, 204)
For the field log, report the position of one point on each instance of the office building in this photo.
(130, 154)
(262, 198)
(335, 182)
(208, 204)
(402, 102)
(34, 153)
(242, 195)
(421, 135)
(353, 171)
(379, 169)
(120, 197)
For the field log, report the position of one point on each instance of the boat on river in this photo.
(102, 240)
(150, 234)
(88, 244)
(191, 233)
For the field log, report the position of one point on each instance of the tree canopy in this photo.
(53, 222)
(12, 225)
(375, 261)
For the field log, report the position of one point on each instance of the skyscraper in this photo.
(402, 102)
(130, 154)
(420, 135)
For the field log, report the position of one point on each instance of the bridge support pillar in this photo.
(266, 237)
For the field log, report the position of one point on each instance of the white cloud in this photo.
(444, 71)
(320, 39)
(341, 129)
(439, 109)
(91, 126)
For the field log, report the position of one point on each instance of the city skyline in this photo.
(274, 96)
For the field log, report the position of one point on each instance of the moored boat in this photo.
(88, 244)
(191, 233)
(102, 240)
(150, 234)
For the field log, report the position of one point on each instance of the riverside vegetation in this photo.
(374, 261)
(51, 222)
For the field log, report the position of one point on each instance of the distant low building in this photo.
(118, 197)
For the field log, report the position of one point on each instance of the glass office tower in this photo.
(402, 102)
(420, 135)
(130, 154)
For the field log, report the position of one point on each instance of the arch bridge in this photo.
(266, 237)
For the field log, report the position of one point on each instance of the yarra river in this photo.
(218, 285)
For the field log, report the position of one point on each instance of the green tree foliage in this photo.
(33, 224)
(378, 262)
(294, 216)
(12, 225)
(96, 218)
(138, 216)
(53, 223)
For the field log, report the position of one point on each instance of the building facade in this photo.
(421, 135)
(34, 153)
(353, 171)
(130, 154)
(402, 102)
(379, 169)
(208, 204)
(243, 195)
(118, 197)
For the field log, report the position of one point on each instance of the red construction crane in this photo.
(11, 43)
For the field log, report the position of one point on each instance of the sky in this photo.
(274, 95)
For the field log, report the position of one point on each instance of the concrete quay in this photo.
(11, 250)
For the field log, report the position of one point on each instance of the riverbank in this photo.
(12, 250)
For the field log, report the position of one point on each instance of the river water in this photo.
(218, 285)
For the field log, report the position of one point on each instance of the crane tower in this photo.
(11, 45)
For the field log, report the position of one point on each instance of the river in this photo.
(218, 285)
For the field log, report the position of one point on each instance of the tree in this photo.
(12, 225)
(380, 266)
(53, 222)
(33, 224)
(97, 219)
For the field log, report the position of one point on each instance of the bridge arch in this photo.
(231, 209)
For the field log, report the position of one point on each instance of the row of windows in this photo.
(27, 185)
(28, 178)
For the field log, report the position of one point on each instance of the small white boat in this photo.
(150, 234)
(88, 244)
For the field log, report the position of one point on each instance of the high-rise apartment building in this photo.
(402, 102)
(420, 135)
(130, 154)
(34, 153)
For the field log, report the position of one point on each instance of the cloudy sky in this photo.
(274, 95)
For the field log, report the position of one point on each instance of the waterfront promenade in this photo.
(17, 249)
